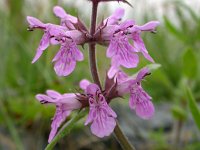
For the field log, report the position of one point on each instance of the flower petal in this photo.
(140, 47)
(150, 26)
(84, 83)
(103, 127)
(115, 17)
(44, 43)
(141, 102)
(34, 22)
(64, 68)
(44, 99)
(59, 12)
(78, 55)
(145, 110)
(128, 60)
(65, 59)
(142, 73)
(53, 94)
(59, 117)
(92, 89)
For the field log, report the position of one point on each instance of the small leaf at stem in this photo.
(193, 107)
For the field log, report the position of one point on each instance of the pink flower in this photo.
(138, 42)
(66, 20)
(64, 105)
(54, 34)
(101, 116)
(120, 50)
(139, 101)
(65, 59)
(115, 17)
(50, 31)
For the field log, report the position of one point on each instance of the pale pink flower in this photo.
(101, 116)
(65, 59)
(118, 35)
(64, 105)
(139, 101)
(138, 42)
(50, 31)
(66, 20)
(114, 18)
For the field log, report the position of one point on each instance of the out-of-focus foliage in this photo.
(193, 107)
(176, 47)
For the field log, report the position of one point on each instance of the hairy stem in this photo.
(92, 53)
(122, 139)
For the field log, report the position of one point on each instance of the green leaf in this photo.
(179, 113)
(174, 30)
(153, 67)
(190, 64)
(193, 107)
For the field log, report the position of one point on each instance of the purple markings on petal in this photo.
(141, 102)
(64, 105)
(138, 42)
(139, 45)
(101, 116)
(142, 74)
(119, 34)
(65, 59)
(44, 43)
(103, 125)
(121, 52)
(59, 117)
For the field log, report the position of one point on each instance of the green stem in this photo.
(65, 129)
(122, 139)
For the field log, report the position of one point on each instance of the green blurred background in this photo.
(25, 123)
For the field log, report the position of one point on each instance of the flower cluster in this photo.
(124, 43)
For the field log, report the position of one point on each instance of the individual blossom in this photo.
(101, 116)
(64, 103)
(118, 36)
(65, 59)
(50, 31)
(136, 37)
(120, 50)
(139, 100)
